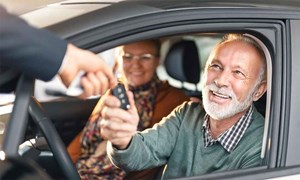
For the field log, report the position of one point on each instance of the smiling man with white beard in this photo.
(223, 134)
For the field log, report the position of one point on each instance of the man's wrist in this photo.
(124, 147)
(69, 67)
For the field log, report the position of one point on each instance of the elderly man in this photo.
(223, 134)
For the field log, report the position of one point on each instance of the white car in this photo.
(104, 25)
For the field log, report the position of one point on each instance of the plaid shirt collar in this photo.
(230, 138)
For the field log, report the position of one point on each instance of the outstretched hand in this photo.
(99, 76)
(117, 125)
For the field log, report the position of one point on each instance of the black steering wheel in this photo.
(18, 122)
(52, 137)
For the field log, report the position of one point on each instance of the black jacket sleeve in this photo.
(36, 52)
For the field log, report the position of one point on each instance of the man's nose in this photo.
(222, 79)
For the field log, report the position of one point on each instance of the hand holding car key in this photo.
(120, 92)
(76, 89)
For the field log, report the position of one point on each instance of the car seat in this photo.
(182, 63)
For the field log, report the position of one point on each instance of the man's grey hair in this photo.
(248, 40)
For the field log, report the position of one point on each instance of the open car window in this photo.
(204, 26)
(204, 42)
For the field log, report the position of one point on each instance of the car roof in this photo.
(90, 5)
(171, 4)
(74, 16)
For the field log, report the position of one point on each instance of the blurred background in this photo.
(23, 6)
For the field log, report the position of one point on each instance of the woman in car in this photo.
(154, 99)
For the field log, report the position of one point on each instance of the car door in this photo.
(273, 29)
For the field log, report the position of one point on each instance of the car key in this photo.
(120, 92)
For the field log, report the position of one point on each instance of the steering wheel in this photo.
(52, 137)
(18, 122)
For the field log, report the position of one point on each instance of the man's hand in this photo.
(117, 125)
(99, 75)
(94, 84)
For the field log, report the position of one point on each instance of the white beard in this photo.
(220, 112)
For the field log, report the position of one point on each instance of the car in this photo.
(100, 26)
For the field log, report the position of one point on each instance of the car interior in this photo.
(179, 68)
(183, 60)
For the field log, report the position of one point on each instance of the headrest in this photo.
(183, 63)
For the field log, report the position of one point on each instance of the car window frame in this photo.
(292, 125)
(257, 30)
(108, 36)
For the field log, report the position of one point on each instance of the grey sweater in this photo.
(178, 142)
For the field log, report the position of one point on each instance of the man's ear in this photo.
(262, 88)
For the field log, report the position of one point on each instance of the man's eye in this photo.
(215, 66)
(239, 73)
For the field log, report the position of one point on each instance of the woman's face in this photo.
(140, 61)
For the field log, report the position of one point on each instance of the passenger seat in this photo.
(182, 63)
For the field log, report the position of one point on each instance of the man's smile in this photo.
(220, 95)
(219, 98)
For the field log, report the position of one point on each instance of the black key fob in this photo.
(120, 92)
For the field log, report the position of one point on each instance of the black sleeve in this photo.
(36, 52)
